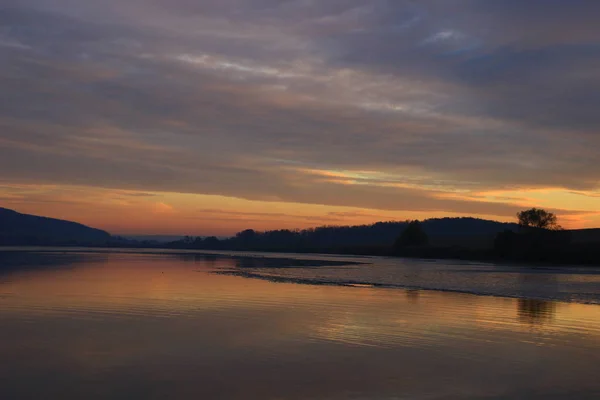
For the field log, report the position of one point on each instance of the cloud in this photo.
(444, 36)
(258, 99)
(163, 208)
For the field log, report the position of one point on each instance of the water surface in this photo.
(124, 326)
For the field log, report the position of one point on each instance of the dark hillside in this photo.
(24, 229)
(377, 238)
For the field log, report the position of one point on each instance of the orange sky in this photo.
(131, 212)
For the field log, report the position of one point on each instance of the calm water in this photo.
(126, 326)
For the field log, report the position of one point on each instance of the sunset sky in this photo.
(211, 116)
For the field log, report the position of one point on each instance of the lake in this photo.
(80, 324)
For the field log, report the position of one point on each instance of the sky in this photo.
(209, 117)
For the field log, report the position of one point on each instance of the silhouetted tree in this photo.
(538, 218)
(540, 239)
(247, 234)
(378, 238)
(212, 243)
(413, 235)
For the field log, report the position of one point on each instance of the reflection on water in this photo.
(412, 295)
(533, 311)
(15, 262)
(127, 326)
(573, 284)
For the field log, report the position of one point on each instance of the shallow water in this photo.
(125, 326)
(579, 284)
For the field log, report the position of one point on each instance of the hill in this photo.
(586, 235)
(466, 232)
(25, 229)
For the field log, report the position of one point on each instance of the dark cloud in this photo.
(241, 97)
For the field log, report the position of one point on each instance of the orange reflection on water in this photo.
(152, 283)
(170, 325)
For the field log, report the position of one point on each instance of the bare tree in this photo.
(538, 218)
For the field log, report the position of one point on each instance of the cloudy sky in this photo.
(211, 116)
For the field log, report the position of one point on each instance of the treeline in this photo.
(529, 241)
(541, 239)
(527, 245)
(324, 239)
(376, 239)
(538, 239)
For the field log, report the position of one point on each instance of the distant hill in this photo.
(586, 235)
(24, 229)
(465, 232)
(465, 226)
